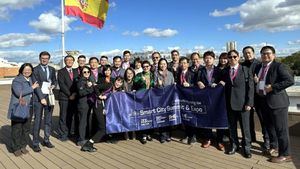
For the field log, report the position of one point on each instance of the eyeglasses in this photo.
(230, 57)
(86, 71)
(146, 66)
(267, 53)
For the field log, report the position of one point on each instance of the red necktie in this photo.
(182, 78)
(263, 72)
(71, 74)
(232, 73)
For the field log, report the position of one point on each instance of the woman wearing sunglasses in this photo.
(144, 80)
(85, 89)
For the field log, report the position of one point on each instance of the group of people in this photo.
(250, 86)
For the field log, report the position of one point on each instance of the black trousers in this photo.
(67, 113)
(20, 131)
(84, 111)
(101, 123)
(243, 118)
(277, 127)
(208, 134)
(259, 105)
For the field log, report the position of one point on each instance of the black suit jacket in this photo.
(66, 85)
(39, 76)
(189, 76)
(279, 78)
(202, 76)
(239, 92)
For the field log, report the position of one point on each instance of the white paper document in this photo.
(45, 87)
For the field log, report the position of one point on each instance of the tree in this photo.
(293, 61)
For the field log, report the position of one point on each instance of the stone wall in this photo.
(8, 72)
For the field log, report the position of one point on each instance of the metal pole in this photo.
(62, 32)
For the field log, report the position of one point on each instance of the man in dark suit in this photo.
(239, 100)
(196, 62)
(251, 62)
(45, 76)
(81, 60)
(67, 99)
(272, 79)
(173, 66)
(186, 78)
(210, 76)
(117, 69)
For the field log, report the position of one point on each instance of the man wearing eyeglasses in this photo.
(239, 100)
(45, 76)
(67, 99)
(271, 81)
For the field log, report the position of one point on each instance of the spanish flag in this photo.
(92, 12)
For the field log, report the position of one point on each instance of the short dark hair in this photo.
(117, 57)
(209, 53)
(233, 51)
(173, 51)
(81, 56)
(128, 69)
(23, 67)
(137, 60)
(248, 47)
(69, 56)
(84, 67)
(93, 58)
(195, 53)
(267, 47)
(105, 68)
(184, 58)
(103, 56)
(145, 62)
(125, 52)
(44, 53)
(155, 53)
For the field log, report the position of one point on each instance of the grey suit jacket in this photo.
(239, 92)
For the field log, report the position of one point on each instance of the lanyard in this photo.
(235, 73)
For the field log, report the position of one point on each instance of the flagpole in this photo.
(62, 32)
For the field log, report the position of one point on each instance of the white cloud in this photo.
(199, 48)
(154, 32)
(287, 3)
(226, 12)
(130, 33)
(148, 49)
(287, 51)
(6, 6)
(20, 55)
(112, 4)
(270, 15)
(20, 40)
(113, 52)
(295, 42)
(174, 48)
(49, 23)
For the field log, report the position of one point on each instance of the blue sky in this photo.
(30, 26)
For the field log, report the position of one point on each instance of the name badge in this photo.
(261, 85)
